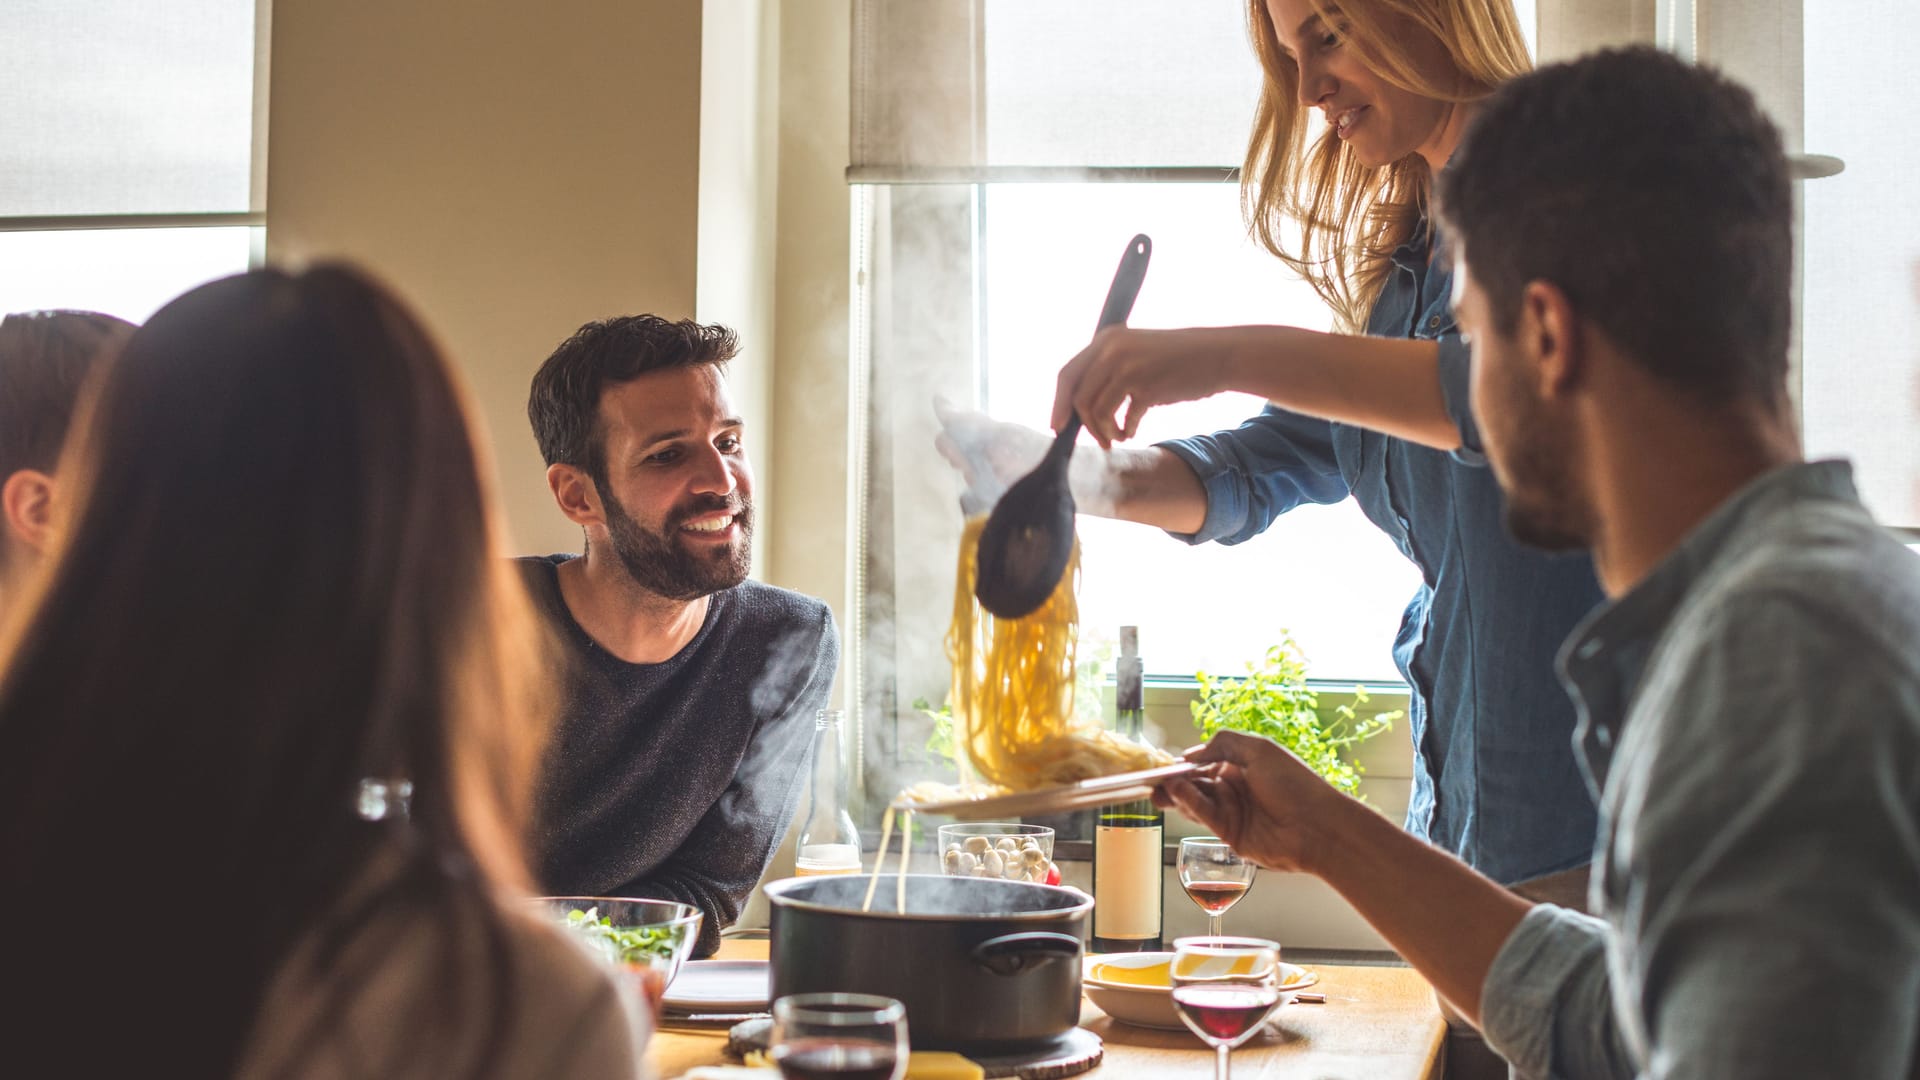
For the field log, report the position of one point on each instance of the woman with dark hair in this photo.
(277, 605)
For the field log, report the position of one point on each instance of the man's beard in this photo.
(658, 562)
(1542, 509)
(1540, 524)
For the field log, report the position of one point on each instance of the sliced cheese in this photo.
(942, 1065)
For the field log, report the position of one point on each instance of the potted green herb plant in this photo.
(1274, 701)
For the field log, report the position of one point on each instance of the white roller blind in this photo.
(1860, 342)
(976, 90)
(126, 107)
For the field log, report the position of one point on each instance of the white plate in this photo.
(705, 986)
(1152, 1006)
(1085, 795)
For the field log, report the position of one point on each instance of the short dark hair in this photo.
(1655, 194)
(564, 405)
(45, 358)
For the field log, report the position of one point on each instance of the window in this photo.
(1323, 573)
(1003, 153)
(1857, 309)
(1860, 382)
(131, 150)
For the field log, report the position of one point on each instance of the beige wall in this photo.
(812, 403)
(514, 168)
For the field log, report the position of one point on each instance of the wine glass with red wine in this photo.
(1224, 988)
(839, 1037)
(1214, 876)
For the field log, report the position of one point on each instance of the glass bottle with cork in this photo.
(1127, 837)
(829, 843)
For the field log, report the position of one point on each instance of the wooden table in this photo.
(1379, 1023)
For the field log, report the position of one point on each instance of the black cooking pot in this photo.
(982, 966)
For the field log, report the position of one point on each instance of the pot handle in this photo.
(1014, 953)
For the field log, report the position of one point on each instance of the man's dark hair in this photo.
(45, 358)
(565, 403)
(1655, 194)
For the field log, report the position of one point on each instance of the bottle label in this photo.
(1126, 883)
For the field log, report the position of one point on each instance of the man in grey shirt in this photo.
(1749, 698)
(688, 692)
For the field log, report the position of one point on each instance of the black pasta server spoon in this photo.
(1028, 538)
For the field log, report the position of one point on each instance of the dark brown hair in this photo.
(45, 358)
(564, 405)
(1655, 194)
(279, 577)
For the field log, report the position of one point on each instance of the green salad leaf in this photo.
(638, 945)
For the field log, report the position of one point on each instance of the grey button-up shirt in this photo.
(1750, 719)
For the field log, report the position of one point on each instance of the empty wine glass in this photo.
(839, 1037)
(1224, 988)
(1214, 876)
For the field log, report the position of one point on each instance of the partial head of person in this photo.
(1624, 232)
(46, 358)
(645, 450)
(1388, 79)
(279, 576)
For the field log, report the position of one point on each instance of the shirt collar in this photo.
(1602, 660)
(1413, 255)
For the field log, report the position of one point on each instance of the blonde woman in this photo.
(1378, 412)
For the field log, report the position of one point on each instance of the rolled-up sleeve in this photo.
(1547, 1003)
(1260, 470)
(1456, 368)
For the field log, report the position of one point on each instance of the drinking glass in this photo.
(1224, 988)
(1214, 876)
(839, 1037)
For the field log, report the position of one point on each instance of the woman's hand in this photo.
(990, 454)
(1140, 368)
(1263, 801)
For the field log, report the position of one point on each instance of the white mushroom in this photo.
(993, 863)
(978, 845)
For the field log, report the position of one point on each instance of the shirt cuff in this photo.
(1525, 986)
(1456, 361)
(1226, 505)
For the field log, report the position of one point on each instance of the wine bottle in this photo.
(1127, 864)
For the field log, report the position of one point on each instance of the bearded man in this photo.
(681, 746)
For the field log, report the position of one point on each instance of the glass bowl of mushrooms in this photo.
(1006, 850)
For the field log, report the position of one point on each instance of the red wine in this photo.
(1224, 1013)
(1216, 896)
(836, 1059)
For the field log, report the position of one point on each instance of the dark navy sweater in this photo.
(677, 780)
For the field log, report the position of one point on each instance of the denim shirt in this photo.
(1751, 717)
(1494, 774)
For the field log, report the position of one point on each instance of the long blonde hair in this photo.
(1352, 216)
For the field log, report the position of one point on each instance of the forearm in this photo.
(719, 902)
(1151, 486)
(1390, 385)
(1445, 919)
